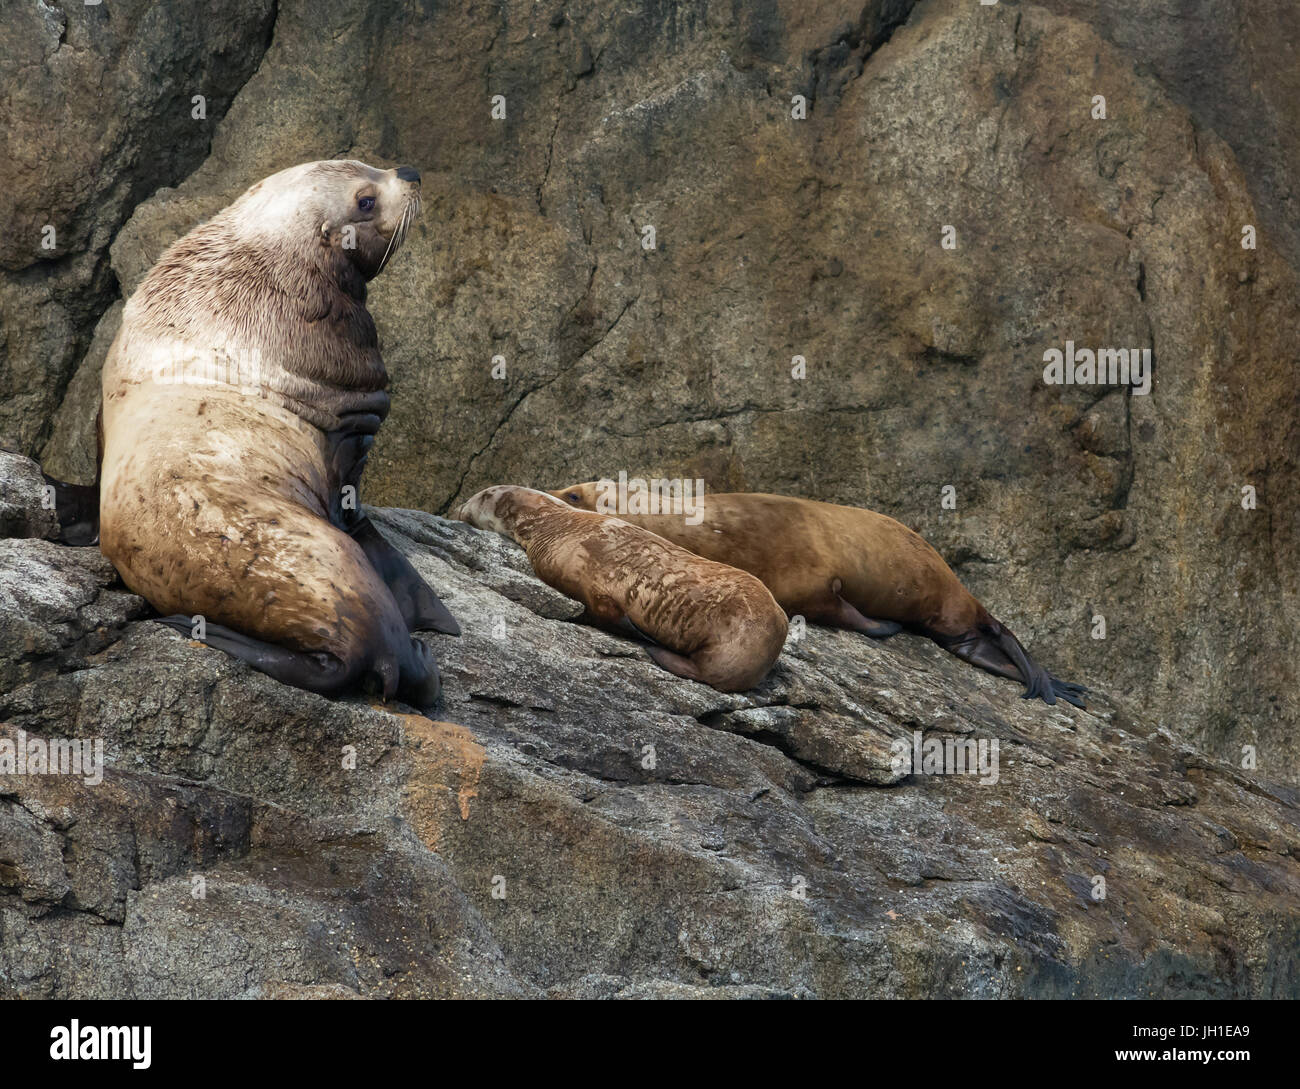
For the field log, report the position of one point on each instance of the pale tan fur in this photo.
(845, 567)
(241, 349)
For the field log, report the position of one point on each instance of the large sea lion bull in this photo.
(240, 398)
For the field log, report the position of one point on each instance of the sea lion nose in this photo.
(408, 174)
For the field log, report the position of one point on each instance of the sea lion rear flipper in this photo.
(1069, 691)
(1041, 684)
(980, 650)
(993, 648)
(77, 506)
(419, 605)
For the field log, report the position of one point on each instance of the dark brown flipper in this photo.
(605, 614)
(831, 609)
(675, 663)
(319, 672)
(622, 626)
(416, 600)
(993, 648)
(349, 447)
(841, 614)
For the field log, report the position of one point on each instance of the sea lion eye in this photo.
(573, 497)
(366, 204)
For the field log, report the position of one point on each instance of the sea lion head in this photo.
(269, 294)
(507, 509)
(581, 496)
(354, 216)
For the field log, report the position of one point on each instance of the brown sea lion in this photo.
(711, 623)
(845, 567)
(241, 396)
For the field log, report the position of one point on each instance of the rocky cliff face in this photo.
(98, 112)
(578, 822)
(773, 238)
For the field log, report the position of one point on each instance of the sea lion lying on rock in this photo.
(710, 622)
(847, 568)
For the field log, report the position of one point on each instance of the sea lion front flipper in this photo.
(602, 611)
(675, 663)
(416, 600)
(838, 613)
(620, 625)
(850, 618)
(629, 628)
(318, 672)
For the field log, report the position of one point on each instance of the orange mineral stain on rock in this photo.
(446, 762)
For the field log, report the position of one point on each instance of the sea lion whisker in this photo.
(398, 235)
(401, 227)
(388, 251)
